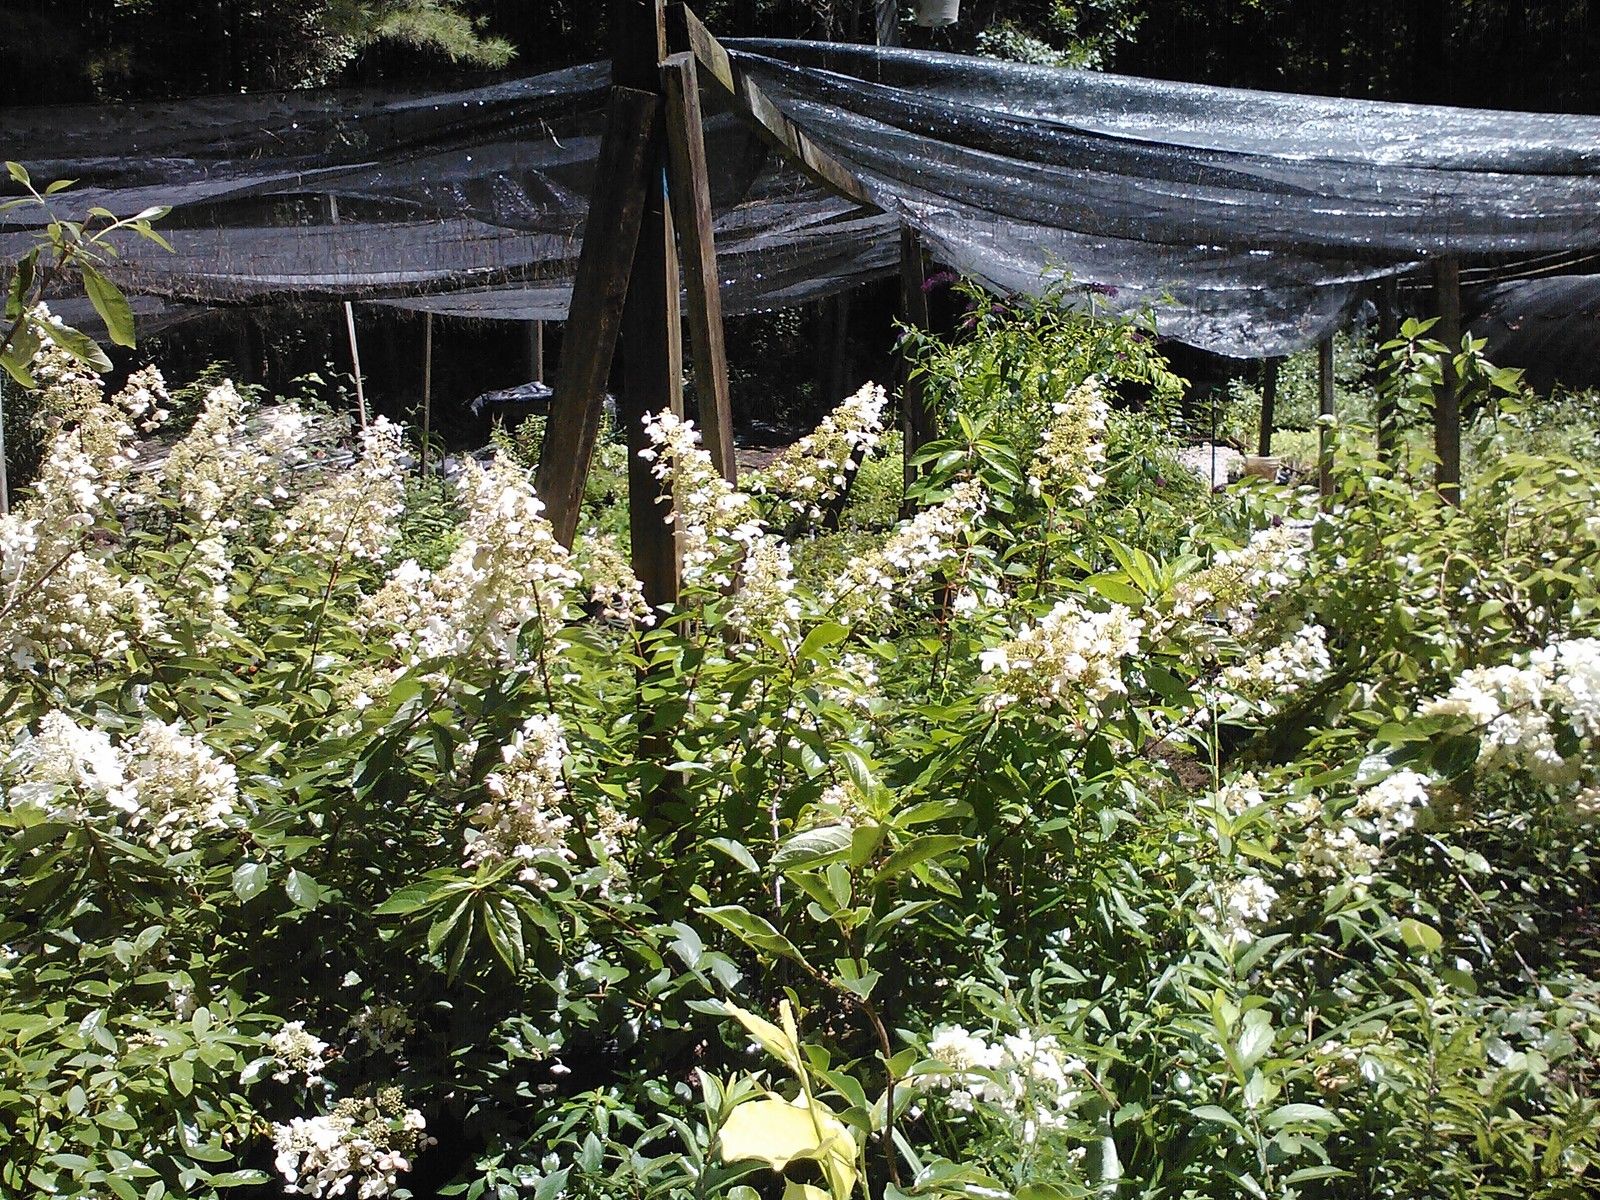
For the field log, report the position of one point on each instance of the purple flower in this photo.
(1102, 289)
(939, 279)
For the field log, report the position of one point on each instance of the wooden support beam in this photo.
(915, 421)
(1447, 402)
(689, 190)
(536, 351)
(599, 292)
(1325, 408)
(1269, 404)
(652, 381)
(686, 34)
(427, 386)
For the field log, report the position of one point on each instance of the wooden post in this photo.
(536, 350)
(1325, 408)
(915, 424)
(350, 330)
(1269, 402)
(427, 386)
(1388, 330)
(1447, 404)
(690, 193)
(652, 341)
(594, 318)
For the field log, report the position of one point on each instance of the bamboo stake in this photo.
(1447, 404)
(350, 329)
(1325, 407)
(427, 385)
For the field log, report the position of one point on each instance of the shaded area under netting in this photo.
(1254, 222)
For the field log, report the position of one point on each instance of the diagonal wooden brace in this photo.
(689, 190)
(686, 33)
(594, 318)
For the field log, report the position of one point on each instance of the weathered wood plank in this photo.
(1269, 404)
(685, 33)
(652, 381)
(599, 292)
(689, 189)
(916, 422)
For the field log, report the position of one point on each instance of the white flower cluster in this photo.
(815, 470)
(1026, 1076)
(380, 1029)
(525, 821)
(298, 1056)
(507, 572)
(1238, 907)
(1239, 795)
(919, 551)
(69, 389)
(217, 474)
(59, 598)
(1351, 847)
(1272, 676)
(61, 767)
(726, 544)
(166, 784)
(353, 515)
(366, 1142)
(176, 786)
(144, 397)
(1071, 652)
(1240, 582)
(613, 587)
(1520, 712)
(1071, 450)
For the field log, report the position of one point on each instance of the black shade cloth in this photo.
(1251, 221)
(1550, 327)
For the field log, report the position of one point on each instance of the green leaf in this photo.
(737, 852)
(1420, 936)
(18, 173)
(753, 930)
(81, 347)
(920, 850)
(303, 891)
(813, 847)
(249, 880)
(1217, 1116)
(110, 303)
(182, 1072)
(1300, 1114)
(231, 1179)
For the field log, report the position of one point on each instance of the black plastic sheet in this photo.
(1252, 223)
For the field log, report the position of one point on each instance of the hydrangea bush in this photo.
(1082, 835)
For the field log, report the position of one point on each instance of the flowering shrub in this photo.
(1078, 835)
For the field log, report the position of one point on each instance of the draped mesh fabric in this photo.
(1252, 222)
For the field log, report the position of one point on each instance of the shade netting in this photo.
(1252, 222)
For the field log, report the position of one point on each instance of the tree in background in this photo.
(64, 50)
